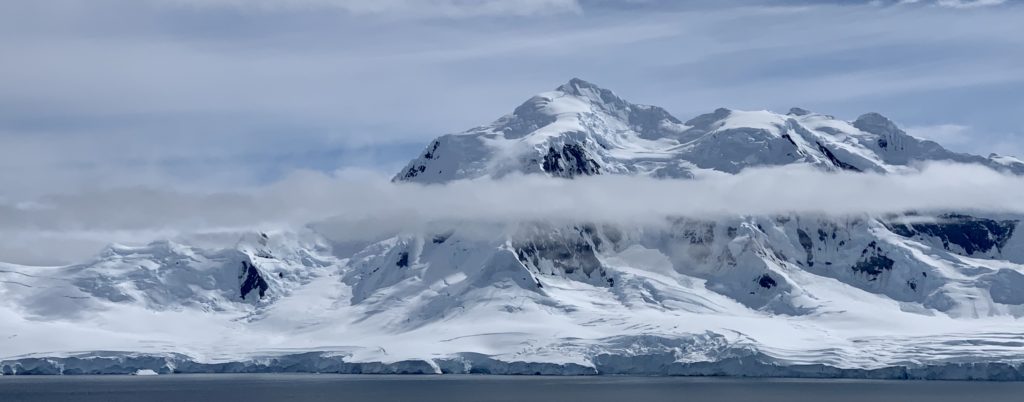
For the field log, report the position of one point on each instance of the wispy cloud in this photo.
(406, 8)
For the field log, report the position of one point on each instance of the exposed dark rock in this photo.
(972, 235)
(567, 253)
(414, 171)
(252, 280)
(835, 161)
(403, 260)
(433, 149)
(790, 139)
(766, 281)
(571, 161)
(873, 262)
(808, 245)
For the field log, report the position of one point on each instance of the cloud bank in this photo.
(362, 205)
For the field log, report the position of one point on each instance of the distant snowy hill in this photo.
(911, 295)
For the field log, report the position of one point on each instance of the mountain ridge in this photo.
(582, 129)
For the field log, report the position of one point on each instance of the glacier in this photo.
(906, 295)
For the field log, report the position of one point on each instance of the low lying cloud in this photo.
(362, 205)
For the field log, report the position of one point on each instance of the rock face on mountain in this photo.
(912, 295)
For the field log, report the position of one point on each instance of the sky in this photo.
(211, 96)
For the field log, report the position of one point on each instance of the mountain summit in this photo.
(583, 129)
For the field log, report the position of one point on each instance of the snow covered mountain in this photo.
(582, 129)
(912, 295)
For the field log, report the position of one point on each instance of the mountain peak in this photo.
(649, 122)
(576, 85)
(875, 123)
(594, 94)
(704, 121)
(798, 111)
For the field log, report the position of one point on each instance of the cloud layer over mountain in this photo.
(362, 204)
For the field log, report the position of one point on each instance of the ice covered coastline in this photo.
(651, 356)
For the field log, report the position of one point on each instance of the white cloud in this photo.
(364, 205)
(411, 8)
(969, 3)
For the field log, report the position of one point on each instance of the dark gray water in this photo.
(311, 387)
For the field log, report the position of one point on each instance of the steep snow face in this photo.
(582, 129)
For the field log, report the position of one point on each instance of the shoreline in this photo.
(749, 367)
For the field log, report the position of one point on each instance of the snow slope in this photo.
(916, 295)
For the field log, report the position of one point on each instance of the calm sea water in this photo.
(311, 387)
